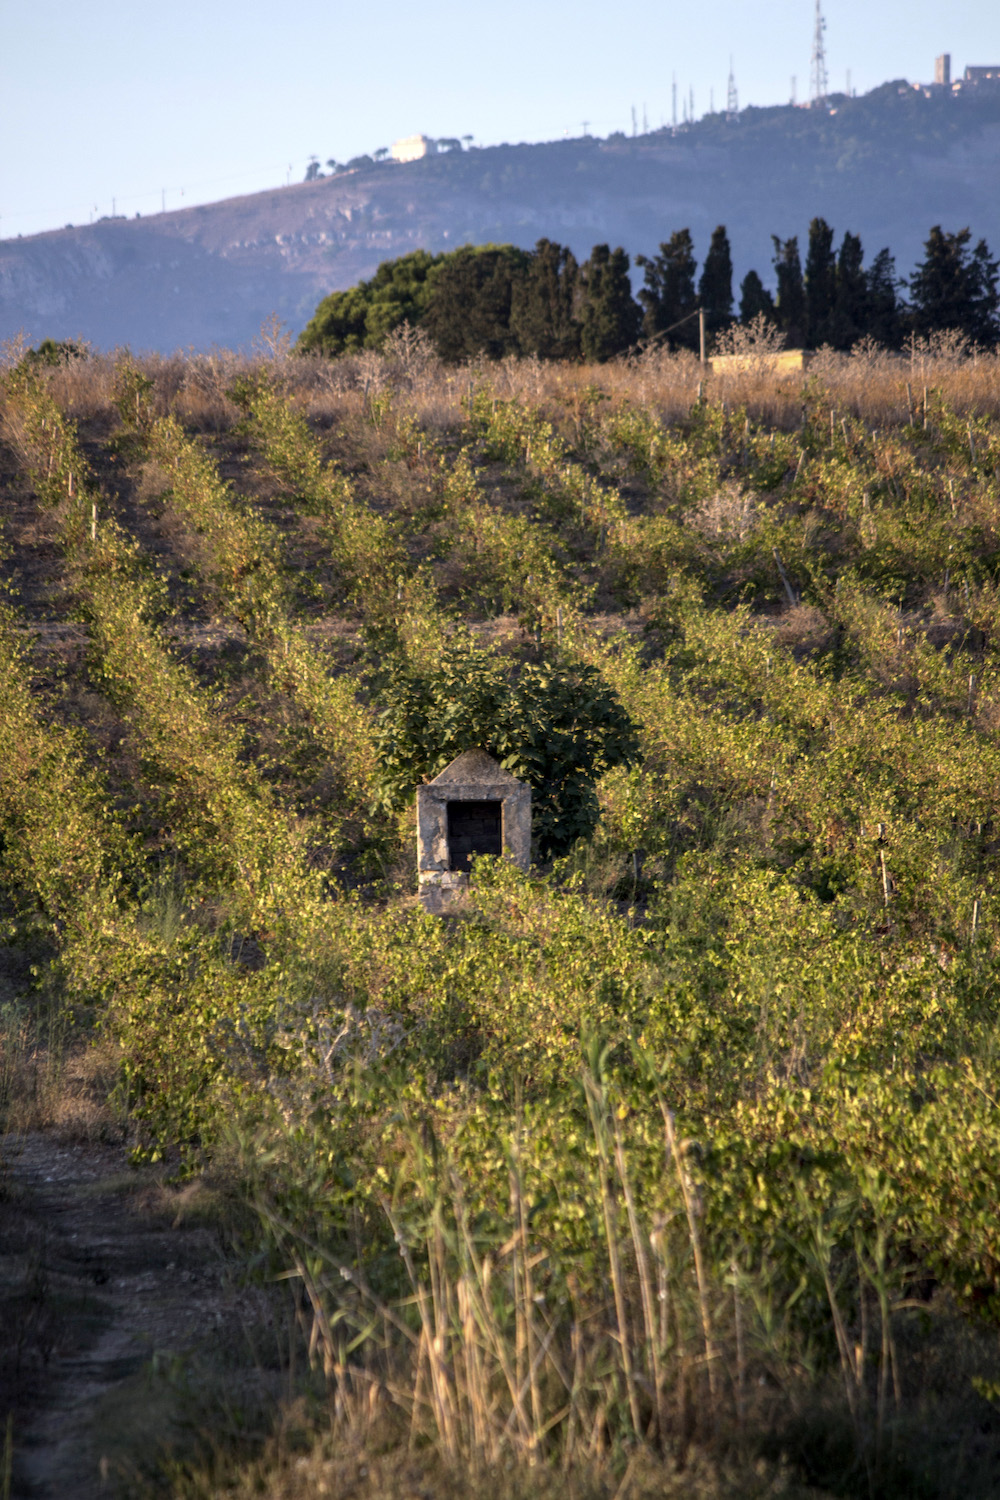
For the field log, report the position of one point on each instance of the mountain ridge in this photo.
(886, 166)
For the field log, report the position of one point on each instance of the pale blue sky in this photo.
(120, 99)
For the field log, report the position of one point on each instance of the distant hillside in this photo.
(887, 166)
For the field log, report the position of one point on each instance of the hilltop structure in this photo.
(413, 148)
(975, 78)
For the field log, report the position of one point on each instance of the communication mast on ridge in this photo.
(819, 84)
(732, 98)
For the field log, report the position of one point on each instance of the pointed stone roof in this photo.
(473, 767)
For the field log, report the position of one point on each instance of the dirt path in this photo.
(101, 1286)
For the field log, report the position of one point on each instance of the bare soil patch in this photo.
(110, 1295)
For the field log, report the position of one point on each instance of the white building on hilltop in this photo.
(412, 148)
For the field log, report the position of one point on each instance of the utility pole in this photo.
(675, 100)
(732, 97)
(691, 109)
(819, 84)
(635, 128)
(701, 333)
(586, 128)
(645, 121)
(794, 81)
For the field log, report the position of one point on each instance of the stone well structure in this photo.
(473, 807)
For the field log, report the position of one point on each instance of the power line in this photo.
(254, 174)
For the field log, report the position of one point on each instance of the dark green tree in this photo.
(884, 310)
(849, 319)
(609, 318)
(715, 289)
(543, 307)
(361, 317)
(668, 295)
(820, 284)
(790, 305)
(557, 727)
(469, 306)
(755, 299)
(56, 352)
(984, 272)
(953, 288)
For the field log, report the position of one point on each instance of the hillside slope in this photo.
(887, 166)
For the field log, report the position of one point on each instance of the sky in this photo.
(113, 106)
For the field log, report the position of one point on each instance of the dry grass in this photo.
(378, 1463)
(68, 1094)
(730, 513)
(869, 384)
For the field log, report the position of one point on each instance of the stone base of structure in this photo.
(442, 891)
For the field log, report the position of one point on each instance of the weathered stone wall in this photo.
(474, 777)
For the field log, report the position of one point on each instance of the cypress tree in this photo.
(938, 289)
(820, 284)
(849, 319)
(668, 294)
(716, 285)
(984, 272)
(755, 299)
(543, 305)
(953, 289)
(884, 311)
(609, 318)
(791, 303)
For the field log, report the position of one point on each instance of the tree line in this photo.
(498, 299)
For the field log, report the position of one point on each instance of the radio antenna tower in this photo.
(732, 98)
(819, 84)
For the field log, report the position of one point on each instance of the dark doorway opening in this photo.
(473, 828)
